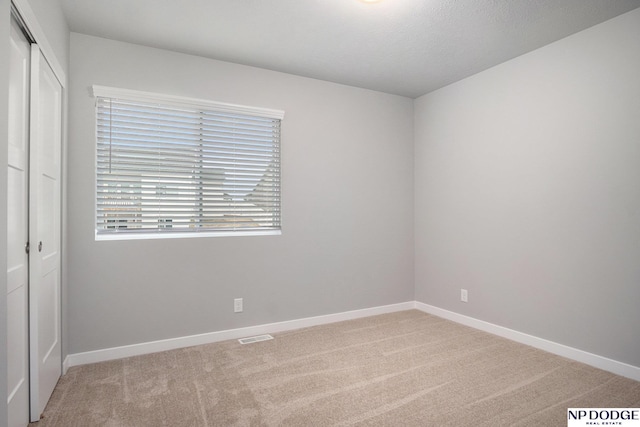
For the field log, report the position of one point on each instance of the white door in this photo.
(44, 232)
(17, 230)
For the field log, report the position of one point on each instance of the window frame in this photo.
(179, 102)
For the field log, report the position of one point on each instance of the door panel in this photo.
(17, 336)
(17, 226)
(49, 327)
(44, 232)
(17, 229)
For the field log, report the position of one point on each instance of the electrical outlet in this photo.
(464, 296)
(237, 305)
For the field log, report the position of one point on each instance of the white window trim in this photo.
(181, 101)
(178, 235)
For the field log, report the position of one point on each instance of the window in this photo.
(170, 166)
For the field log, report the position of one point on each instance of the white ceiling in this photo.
(405, 47)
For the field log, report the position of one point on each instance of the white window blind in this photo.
(178, 165)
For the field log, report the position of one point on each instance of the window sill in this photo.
(179, 235)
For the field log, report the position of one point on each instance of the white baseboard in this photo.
(591, 359)
(211, 337)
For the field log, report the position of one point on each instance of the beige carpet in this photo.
(401, 369)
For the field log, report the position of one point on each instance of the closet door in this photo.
(17, 230)
(44, 232)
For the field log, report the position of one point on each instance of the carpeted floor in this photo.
(401, 369)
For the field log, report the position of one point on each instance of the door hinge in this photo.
(26, 247)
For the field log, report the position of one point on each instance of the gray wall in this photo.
(527, 192)
(347, 195)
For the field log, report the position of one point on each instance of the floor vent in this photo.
(258, 338)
